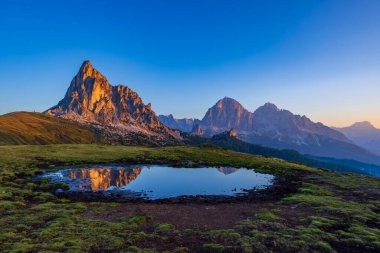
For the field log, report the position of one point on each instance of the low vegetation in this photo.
(27, 128)
(329, 212)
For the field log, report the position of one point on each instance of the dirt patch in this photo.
(194, 215)
(190, 215)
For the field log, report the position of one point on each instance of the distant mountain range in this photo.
(363, 134)
(185, 125)
(276, 128)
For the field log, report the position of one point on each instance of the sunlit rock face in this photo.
(100, 179)
(91, 98)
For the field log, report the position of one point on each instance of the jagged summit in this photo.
(270, 106)
(90, 98)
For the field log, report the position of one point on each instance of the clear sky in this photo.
(316, 58)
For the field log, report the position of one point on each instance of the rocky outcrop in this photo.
(232, 133)
(198, 130)
(93, 100)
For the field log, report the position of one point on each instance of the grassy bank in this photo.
(330, 212)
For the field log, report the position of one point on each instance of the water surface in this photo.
(160, 182)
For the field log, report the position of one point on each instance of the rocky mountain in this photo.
(185, 125)
(117, 111)
(282, 129)
(227, 113)
(277, 128)
(282, 126)
(363, 134)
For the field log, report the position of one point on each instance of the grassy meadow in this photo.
(329, 212)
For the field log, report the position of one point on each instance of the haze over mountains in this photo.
(273, 127)
(363, 134)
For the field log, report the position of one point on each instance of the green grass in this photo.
(334, 212)
(22, 128)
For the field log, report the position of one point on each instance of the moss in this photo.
(313, 189)
(228, 236)
(322, 246)
(265, 214)
(163, 227)
(213, 247)
(181, 250)
(321, 222)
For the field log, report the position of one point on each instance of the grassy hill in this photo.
(28, 128)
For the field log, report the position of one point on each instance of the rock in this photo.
(91, 99)
(197, 130)
(232, 133)
(185, 125)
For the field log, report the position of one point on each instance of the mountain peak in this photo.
(227, 113)
(363, 124)
(271, 106)
(227, 101)
(86, 63)
(91, 98)
(86, 68)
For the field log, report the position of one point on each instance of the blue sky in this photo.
(317, 58)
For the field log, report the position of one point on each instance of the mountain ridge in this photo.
(278, 128)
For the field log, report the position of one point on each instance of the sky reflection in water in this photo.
(157, 181)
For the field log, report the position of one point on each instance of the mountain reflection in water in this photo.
(227, 170)
(100, 179)
(159, 181)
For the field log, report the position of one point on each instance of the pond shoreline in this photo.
(281, 186)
